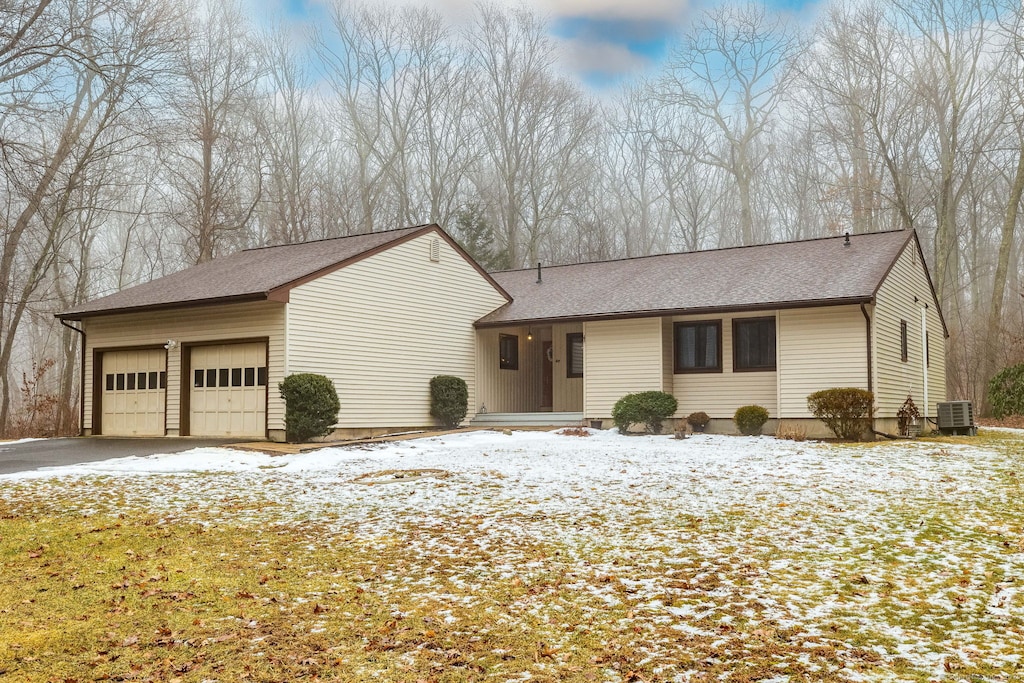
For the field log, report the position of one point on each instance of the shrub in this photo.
(449, 400)
(698, 420)
(647, 407)
(750, 419)
(311, 406)
(792, 431)
(907, 415)
(846, 411)
(1006, 392)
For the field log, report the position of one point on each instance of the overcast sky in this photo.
(602, 42)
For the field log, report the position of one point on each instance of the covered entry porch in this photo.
(529, 375)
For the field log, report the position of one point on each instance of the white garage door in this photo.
(134, 388)
(229, 390)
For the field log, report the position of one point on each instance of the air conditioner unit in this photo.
(956, 417)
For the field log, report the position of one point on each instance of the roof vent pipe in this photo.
(538, 273)
(846, 242)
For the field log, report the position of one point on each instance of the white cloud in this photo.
(635, 10)
(587, 56)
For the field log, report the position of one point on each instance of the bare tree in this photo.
(214, 163)
(728, 71)
(535, 126)
(72, 109)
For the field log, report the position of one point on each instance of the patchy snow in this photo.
(916, 547)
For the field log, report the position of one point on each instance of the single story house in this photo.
(200, 352)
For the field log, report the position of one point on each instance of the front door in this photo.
(547, 377)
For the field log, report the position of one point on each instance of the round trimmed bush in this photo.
(698, 420)
(649, 408)
(846, 411)
(750, 419)
(311, 406)
(1006, 392)
(449, 400)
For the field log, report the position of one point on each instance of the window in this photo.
(903, 341)
(250, 377)
(261, 377)
(131, 381)
(698, 346)
(574, 354)
(199, 375)
(236, 377)
(508, 352)
(142, 380)
(223, 377)
(110, 382)
(753, 344)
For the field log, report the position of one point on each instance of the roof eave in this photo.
(662, 312)
(240, 298)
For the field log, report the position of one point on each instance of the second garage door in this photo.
(229, 390)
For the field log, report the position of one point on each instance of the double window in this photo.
(698, 345)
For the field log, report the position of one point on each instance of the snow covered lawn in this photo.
(530, 556)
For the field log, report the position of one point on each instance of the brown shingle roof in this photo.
(788, 274)
(252, 274)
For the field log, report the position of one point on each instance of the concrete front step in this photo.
(526, 420)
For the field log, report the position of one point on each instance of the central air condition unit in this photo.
(956, 417)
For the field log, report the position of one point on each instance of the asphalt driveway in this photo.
(29, 455)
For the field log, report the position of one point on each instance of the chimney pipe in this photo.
(538, 273)
(846, 242)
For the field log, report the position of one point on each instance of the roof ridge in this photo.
(333, 239)
(700, 251)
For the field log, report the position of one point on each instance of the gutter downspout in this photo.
(871, 370)
(81, 382)
(867, 326)
(924, 358)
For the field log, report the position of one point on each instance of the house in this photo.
(200, 352)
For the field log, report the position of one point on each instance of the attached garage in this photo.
(227, 389)
(132, 392)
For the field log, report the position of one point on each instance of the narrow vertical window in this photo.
(199, 375)
(250, 377)
(211, 377)
(110, 382)
(574, 354)
(131, 381)
(903, 341)
(261, 377)
(508, 352)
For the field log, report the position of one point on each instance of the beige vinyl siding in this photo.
(383, 326)
(720, 394)
(620, 357)
(503, 390)
(819, 348)
(567, 391)
(192, 325)
(896, 379)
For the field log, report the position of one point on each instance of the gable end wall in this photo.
(894, 379)
(383, 326)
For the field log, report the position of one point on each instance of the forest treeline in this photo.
(140, 136)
